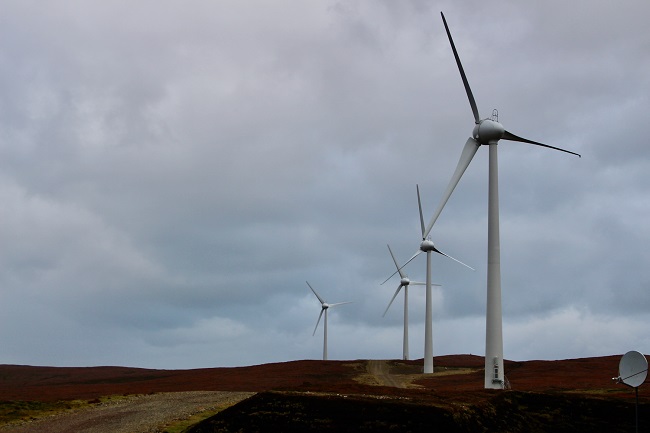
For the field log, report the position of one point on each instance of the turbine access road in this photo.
(133, 414)
(379, 371)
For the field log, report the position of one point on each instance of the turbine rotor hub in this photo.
(488, 131)
(405, 281)
(427, 246)
(326, 306)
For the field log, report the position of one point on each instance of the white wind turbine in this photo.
(427, 246)
(404, 282)
(324, 307)
(486, 132)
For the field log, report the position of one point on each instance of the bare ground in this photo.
(398, 374)
(378, 373)
(133, 414)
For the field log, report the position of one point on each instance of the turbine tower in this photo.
(404, 282)
(486, 132)
(427, 246)
(324, 307)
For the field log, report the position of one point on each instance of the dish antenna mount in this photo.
(632, 371)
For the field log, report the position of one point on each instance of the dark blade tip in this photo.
(572, 153)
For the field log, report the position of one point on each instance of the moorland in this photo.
(364, 395)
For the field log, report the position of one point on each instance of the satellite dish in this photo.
(633, 369)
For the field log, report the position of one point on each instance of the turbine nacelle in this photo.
(427, 245)
(405, 281)
(488, 131)
(325, 306)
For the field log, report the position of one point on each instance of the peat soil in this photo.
(565, 395)
(505, 412)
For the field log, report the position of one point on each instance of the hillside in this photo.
(570, 395)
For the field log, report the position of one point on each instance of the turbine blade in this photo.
(312, 289)
(401, 274)
(470, 96)
(340, 303)
(456, 260)
(318, 321)
(411, 259)
(417, 187)
(512, 137)
(424, 284)
(392, 299)
(407, 262)
(471, 146)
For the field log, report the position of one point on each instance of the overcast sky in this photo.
(172, 172)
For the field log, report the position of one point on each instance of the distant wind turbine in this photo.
(405, 282)
(486, 132)
(427, 246)
(323, 311)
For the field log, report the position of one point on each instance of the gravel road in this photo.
(133, 414)
(380, 370)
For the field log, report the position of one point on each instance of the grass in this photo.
(17, 411)
(21, 411)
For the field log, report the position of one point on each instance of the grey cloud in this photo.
(173, 173)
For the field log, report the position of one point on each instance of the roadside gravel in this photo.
(133, 414)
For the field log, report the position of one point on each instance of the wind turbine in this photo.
(426, 246)
(324, 307)
(486, 132)
(404, 282)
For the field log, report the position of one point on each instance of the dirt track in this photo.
(380, 370)
(135, 414)
(378, 373)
